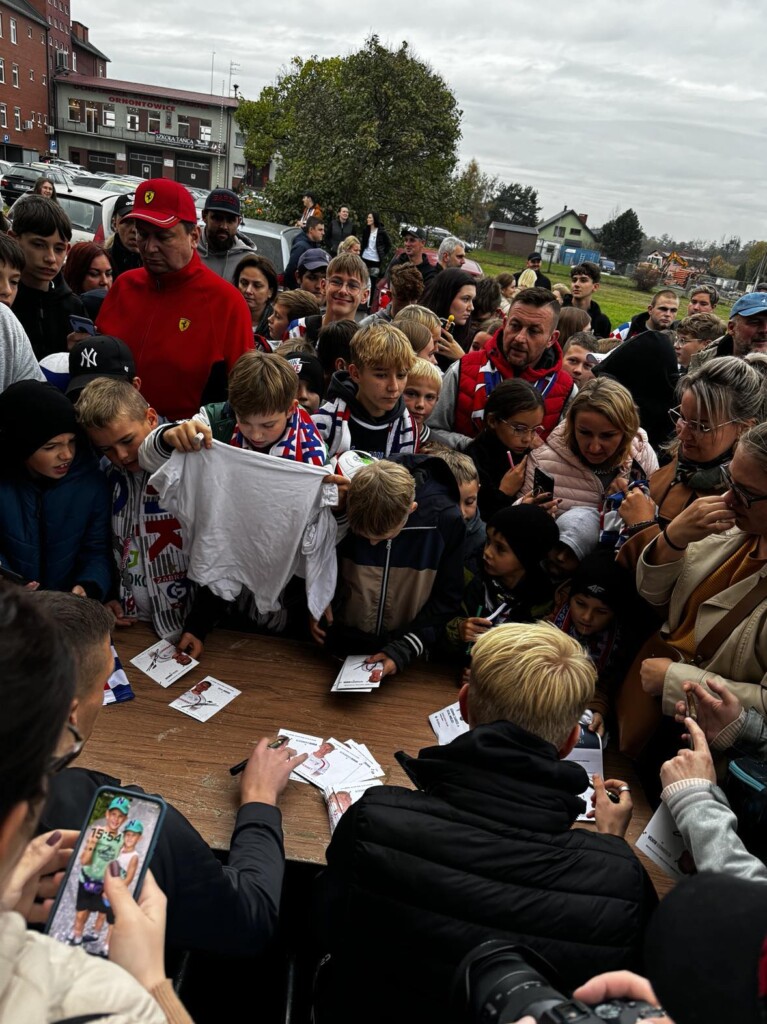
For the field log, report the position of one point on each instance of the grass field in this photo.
(617, 297)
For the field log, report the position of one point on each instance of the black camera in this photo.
(497, 983)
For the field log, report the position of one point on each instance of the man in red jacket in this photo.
(185, 325)
(527, 348)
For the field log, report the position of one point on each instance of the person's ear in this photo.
(413, 507)
(570, 742)
(354, 372)
(152, 418)
(553, 339)
(73, 712)
(340, 364)
(136, 383)
(463, 702)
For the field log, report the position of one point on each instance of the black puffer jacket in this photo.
(485, 850)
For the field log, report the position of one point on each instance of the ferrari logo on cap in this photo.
(183, 323)
(148, 196)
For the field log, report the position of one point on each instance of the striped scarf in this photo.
(301, 441)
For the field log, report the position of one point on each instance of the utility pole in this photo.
(212, 59)
(233, 66)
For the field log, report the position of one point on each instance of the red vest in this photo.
(481, 371)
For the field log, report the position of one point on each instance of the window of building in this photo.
(131, 122)
(168, 120)
(74, 61)
(153, 123)
(17, 118)
(183, 127)
(3, 115)
(45, 79)
(42, 38)
(31, 74)
(74, 109)
(13, 30)
(39, 118)
(62, 59)
(101, 70)
(108, 116)
(575, 231)
(559, 232)
(1, 26)
(239, 171)
(15, 75)
(206, 130)
(239, 139)
(29, 33)
(2, 70)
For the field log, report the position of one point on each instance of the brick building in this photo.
(150, 131)
(24, 81)
(86, 59)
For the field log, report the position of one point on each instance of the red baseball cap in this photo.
(163, 203)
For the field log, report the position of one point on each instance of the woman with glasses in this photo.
(40, 978)
(597, 452)
(717, 403)
(513, 416)
(708, 570)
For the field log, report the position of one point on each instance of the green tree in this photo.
(622, 238)
(377, 129)
(719, 267)
(516, 204)
(472, 196)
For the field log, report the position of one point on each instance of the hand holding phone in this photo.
(542, 483)
(82, 325)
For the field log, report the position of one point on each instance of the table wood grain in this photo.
(284, 684)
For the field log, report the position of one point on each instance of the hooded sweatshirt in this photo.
(344, 424)
(223, 263)
(44, 315)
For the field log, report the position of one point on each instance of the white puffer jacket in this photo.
(575, 483)
(42, 980)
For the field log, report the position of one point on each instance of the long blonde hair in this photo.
(615, 403)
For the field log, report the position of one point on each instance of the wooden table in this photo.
(284, 684)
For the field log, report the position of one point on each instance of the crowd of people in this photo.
(481, 471)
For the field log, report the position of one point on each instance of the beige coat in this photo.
(574, 482)
(741, 661)
(43, 980)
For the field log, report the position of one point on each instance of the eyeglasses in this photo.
(351, 286)
(695, 426)
(741, 495)
(58, 764)
(519, 430)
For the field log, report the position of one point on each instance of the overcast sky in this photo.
(599, 105)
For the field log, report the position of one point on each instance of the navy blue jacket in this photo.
(57, 532)
(301, 243)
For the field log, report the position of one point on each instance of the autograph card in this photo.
(164, 663)
(358, 675)
(205, 699)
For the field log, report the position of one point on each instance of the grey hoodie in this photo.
(223, 263)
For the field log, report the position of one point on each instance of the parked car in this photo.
(271, 240)
(382, 289)
(90, 211)
(20, 179)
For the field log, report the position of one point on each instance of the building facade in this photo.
(148, 131)
(568, 228)
(24, 81)
(515, 239)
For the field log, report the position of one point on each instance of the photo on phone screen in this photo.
(121, 826)
(542, 482)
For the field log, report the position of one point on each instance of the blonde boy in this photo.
(467, 478)
(424, 383)
(364, 408)
(400, 566)
(147, 541)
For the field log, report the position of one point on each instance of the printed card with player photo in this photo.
(330, 764)
(302, 743)
(164, 663)
(341, 798)
(358, 675)
(205, 699)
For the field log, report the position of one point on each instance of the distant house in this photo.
(516, 239)
(568, 228)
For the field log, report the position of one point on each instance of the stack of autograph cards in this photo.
(358, 675)
(164, 663)
(343, 771)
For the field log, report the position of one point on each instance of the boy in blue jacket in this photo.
(54, 502)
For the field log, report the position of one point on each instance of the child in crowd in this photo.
(578, 355)
(486, 332)
(467, 478)
(513, 413)
(44, 302)
(578, 538)
(54, 502)
(365, 408)
(594, 609)
(287, 307)
(400, 564)
(334, 347)
(262, 415)
(311, 380)
(424, 383)
(346, 288)
(693, 334)
(510, 586)
(147, 541)
(12, 263)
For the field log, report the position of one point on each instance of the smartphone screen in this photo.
(121, 826)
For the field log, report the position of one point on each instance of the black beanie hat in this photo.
(31, 413)
(600, 576)
(529, 531)
(704, 950)
(309, 369)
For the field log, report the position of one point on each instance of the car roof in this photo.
(265, 227)
(97, 195)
